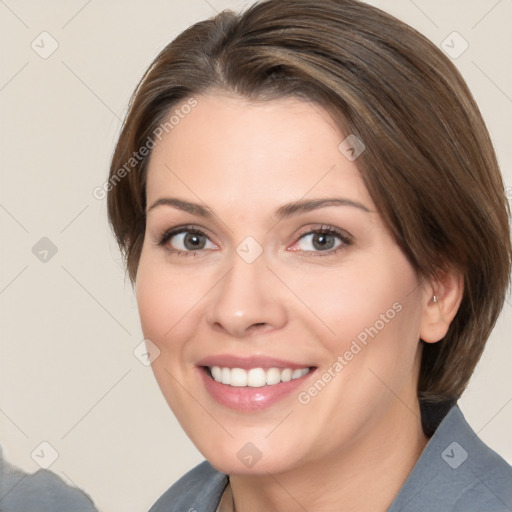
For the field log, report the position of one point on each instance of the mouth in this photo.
(252, 384)
(254, 377)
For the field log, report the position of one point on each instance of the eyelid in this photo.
(345, 237)
(324, 228)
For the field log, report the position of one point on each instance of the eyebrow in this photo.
(186, 206)
(284, 211)
(313, 204)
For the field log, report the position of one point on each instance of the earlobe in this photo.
(443, 296)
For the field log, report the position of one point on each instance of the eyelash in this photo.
(343, 236)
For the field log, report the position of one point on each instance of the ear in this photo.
(448, 288)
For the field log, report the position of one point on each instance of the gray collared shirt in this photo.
(456, 472)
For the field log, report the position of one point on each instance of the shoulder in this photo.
(456, 472)
(488, 477)
(41, 491)
(200, 489)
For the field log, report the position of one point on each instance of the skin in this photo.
(244, 160)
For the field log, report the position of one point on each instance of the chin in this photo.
(231, 465)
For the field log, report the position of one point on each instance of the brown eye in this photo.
(321, 241)
(186, 240)
(193, 241)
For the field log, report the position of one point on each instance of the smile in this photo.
(252, 383)
(255, 377)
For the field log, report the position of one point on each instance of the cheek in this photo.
(360, 299)
(165, 300)
(378, 332)
(370, 358)
(167, 304)
(153, 300)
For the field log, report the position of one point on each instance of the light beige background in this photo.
(68, 375)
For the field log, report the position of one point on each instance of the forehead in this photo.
(227, 147)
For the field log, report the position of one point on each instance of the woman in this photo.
(314, 220)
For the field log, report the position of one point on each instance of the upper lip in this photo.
(246, 363)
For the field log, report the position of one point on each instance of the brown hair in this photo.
(429, 163)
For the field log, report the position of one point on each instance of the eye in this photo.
(326, 239)
(185, 240)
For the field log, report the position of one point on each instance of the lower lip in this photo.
(248, 398)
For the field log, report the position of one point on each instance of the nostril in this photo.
(258, 324)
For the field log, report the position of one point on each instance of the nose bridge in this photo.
(246, 298)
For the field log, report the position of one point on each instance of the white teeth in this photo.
(273, 376)
(238, 377)
(255, 377)
(296, 374)
(286, 375)
(216, 373)
(226, 376)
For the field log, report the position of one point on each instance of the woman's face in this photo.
(265, 264)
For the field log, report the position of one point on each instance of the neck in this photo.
(365, 477)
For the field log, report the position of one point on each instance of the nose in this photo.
(247, 301)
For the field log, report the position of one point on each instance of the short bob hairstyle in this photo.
(429, 164)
